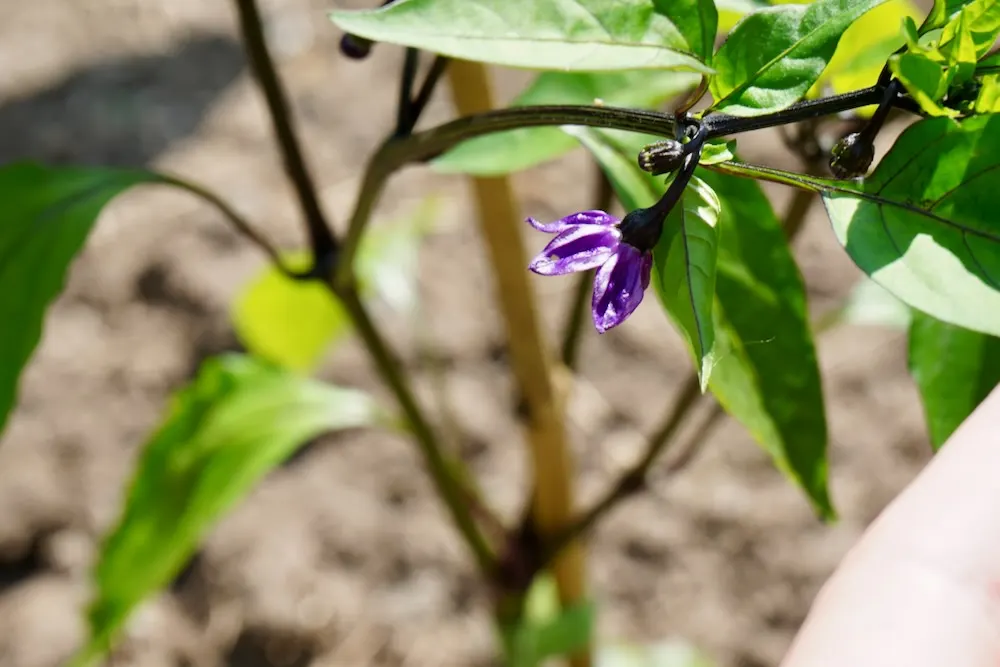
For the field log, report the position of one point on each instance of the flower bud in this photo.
(851, 156)
(662, 157)
(354, 47)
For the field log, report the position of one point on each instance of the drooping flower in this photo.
(596, 240)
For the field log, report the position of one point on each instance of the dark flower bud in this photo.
(662, 157)
(851, 156)
(642, 228)
(354, 47)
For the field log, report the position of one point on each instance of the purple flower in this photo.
(593, 240)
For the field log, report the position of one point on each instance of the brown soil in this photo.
(344, 556)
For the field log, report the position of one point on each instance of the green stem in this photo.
(634, 479)
(321, 237)
(455, 499)
(241, 224)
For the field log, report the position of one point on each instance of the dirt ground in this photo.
(344, 556)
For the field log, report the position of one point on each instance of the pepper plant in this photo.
(658, 92)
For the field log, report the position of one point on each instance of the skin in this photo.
(922, 586)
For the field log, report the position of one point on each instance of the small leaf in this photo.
(923, 225)
(47, 215)
(568, 35)
(773, 56)
(926, 81)
(684, 269)
(504, 152)
(941, 12)
(292, 323)
(286, 321)
(955, 369)
(972, 32)
(766, 373)
(697, 21)
(988, 99)
(717, 151)
(239, 419)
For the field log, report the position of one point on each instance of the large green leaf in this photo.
(292, 322)
(924, 224)
(47, 215)
(954, 369)
(696, 19)
(569, 35)
(766, 373)
(504, 152)
(684, 271)
(238, 420)
(772, 57)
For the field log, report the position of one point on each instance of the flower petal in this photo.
(578, 248)
(619, 286)
(581, 218)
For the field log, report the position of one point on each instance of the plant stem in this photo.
(404, 108)
(576, 313)
(454, 497)
(634, 479)
(321, 237)
(241, 224)
(438, 67)
(553, 485)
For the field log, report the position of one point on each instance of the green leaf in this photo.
(865, 47)
(568, 35)
(239, 419)
(923, 225)
(670, 653)
(941, 12)
(546, 630)
(286, 321)
(697, 21)
(292, 323)
(926, 81)
(972, 32)
(988, 99)
(504, 152)
(766, 374)
(717, 151)
(954, 369)
(772, 57)
(684, 271)
(47, 215)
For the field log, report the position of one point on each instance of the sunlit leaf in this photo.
(684, 271)
(223, 433)
(772, 57)
(926, 81)
(941, 12)
(766, 374)
(924, 224)
(292, 323)
(504, 152)
(697, 21)
(988, 99)
(955, 369)
(47, 214)
(865, 47)
(569, 35)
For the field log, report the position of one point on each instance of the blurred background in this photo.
(344, 556)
